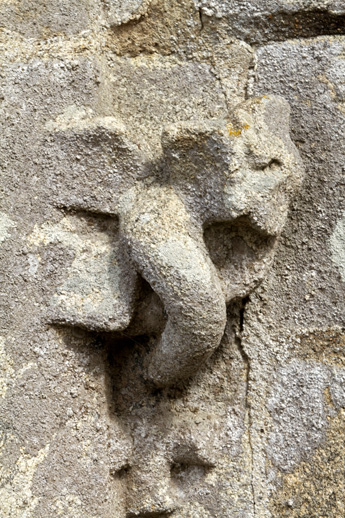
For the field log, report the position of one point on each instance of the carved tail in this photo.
(170, 253)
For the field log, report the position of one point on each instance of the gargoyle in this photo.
(216, 174)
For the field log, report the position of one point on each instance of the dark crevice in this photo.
(241, 349)
(258, 29)
(243, 352)
(242, 311)
(201, 19)
(246, 360)
(120, 473)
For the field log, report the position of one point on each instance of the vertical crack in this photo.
(246, 361)
(201, 19)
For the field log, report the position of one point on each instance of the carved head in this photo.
(244, 166)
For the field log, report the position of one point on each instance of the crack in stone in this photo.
(246, 360)
(201, 19)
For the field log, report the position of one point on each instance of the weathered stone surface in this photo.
(296, 366)
(267, 20)
(190, 455)
(211, 172)
(49, 18)
(221, 8)
(119, 11)
(309, 75)
(99, 291)
(258, 431)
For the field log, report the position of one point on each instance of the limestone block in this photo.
(316, 94)
(171, 90)
(99, 290)
(229, 8)
(49, 18)
(147, 173)
(296, 393)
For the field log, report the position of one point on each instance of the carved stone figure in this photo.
(230, 178)
(145, 182)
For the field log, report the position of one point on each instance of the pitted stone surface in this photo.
(86, 90)
(244, 167)
(123, 11)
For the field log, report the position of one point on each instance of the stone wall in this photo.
(116, 111)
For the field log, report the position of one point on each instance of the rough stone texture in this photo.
(119, 12)
(244, 168)
(266, 20)
(294, 394)
(48, 18)
(259, 430)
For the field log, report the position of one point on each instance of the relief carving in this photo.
(146, 189)
(200, 225)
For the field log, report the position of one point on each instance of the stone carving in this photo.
(184, 455)
(226, 181)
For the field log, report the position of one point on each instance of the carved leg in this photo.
(169, 252)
